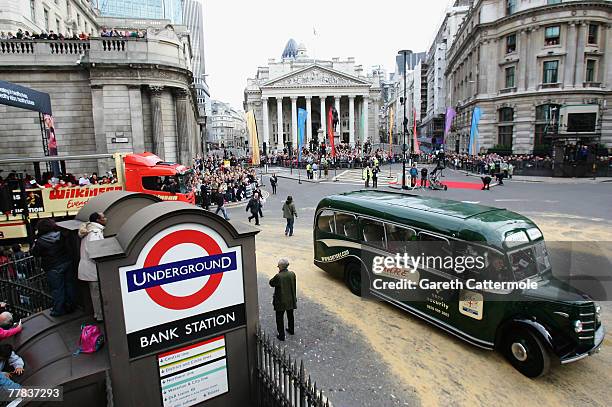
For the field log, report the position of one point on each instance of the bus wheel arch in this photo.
(527, 345)
(353, 273)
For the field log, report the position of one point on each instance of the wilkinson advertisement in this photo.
(69, 199)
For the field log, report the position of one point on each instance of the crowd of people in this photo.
(123, 33)
(219, 181)
(83, 36)
(43, 35)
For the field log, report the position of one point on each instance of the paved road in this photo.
(365, 353)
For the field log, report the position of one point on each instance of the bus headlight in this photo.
(598, 313)
(578, 326)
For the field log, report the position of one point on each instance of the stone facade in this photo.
(531, 69)
(298, 81)
(121, 95)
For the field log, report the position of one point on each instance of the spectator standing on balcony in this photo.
(3, 36)
(52, 35)
(19, 34)
(51, 247)
(90, 232)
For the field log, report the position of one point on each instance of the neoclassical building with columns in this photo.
(298, 81)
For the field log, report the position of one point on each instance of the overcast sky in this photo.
(241, 35)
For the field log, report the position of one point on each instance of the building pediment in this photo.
(316, 76)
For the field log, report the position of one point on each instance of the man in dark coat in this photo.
(285, 298)
(255, 206)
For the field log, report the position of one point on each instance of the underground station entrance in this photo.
(178, 291)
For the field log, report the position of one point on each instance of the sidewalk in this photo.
(295, 175)
(548, 180)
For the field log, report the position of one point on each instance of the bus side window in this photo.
(401, 240)
(436, 251)
(325, 222)
(346, 225)
(373, 233)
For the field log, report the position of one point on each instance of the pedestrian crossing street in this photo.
(354, 177)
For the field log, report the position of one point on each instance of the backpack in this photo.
(91, 339)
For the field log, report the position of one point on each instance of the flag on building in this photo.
(330, 127)
(390, 129)
(473, 146)
(450, 115)
(301, 125)
(417, 149)
(253, 140)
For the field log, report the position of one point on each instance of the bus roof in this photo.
(463, 220)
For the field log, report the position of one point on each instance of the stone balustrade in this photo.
(95, 50)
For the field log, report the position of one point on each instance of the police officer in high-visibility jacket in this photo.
(367, 175)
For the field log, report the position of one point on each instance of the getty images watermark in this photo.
(401, 272)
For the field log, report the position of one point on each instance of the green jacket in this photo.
(289, 211)
(285, 297)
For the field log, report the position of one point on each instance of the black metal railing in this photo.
(23, 285)
(281, 383)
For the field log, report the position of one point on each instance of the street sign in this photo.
(186, 284)
(194, 373)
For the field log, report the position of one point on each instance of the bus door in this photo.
(435, 252)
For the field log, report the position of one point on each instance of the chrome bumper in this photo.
(599, 337)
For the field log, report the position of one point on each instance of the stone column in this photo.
(522, 43)
(604, 74)
(366, 119)
(157, 128)
(338, 131)
(136, 124)
(570, 57)
(266, 126)
(182, 127)
(308, 119)
(531, 65)
(352, 121)
(279, 118)
(97, 108)
(580, 46)
(294, 135)
(323, 120)
(376, 132)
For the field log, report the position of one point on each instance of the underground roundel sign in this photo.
(187, 283)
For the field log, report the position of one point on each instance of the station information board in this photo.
(194, 373)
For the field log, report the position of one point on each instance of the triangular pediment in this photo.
(316, 76)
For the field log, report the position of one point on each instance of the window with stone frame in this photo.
(511, 43)
(593, 34)
(550, 71)
(509, 77)
(552, 35)
(504, 136)
(506, 128)
(33, 10)
(591, 65)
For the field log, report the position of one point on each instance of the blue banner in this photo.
(301, 122)
(180, 270)
(473, 146)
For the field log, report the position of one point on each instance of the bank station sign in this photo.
(187, 284)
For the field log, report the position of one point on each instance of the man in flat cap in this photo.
(285, 299)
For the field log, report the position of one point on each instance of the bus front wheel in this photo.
(526, 352)
(352, 278)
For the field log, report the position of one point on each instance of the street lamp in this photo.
(405, 122)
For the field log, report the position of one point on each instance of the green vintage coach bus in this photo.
(548, 321)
